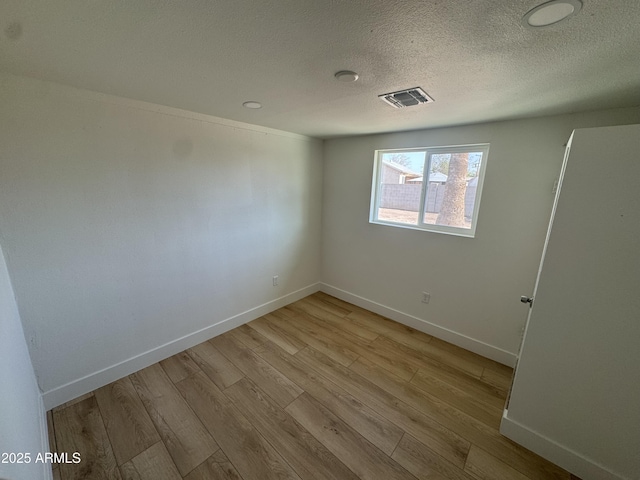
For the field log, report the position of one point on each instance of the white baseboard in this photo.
(554, 452)
(47, 473)
(74, 389)
(468, 343)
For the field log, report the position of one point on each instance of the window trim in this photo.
(429, 152)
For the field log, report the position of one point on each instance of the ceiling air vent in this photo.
(406, 98)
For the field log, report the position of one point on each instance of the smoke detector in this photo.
(406, 98)
(346, 76)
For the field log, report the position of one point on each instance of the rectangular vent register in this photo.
(406, 98)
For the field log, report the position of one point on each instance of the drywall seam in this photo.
(76, 388)
(468, 343)
(555, 452)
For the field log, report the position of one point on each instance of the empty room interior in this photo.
(312, 239)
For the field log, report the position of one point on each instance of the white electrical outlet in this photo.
(426, 297)
(275, 280)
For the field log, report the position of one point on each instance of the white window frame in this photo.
(429, 152)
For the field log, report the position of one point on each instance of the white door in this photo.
(575, 397)
(529, 299)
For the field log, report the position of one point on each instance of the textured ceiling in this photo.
(473, 57)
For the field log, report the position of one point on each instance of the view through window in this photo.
(447, 201)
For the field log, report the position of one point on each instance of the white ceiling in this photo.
(473, 57)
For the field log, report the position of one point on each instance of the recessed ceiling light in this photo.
(346, 76)
(252, 104)
(550, 13)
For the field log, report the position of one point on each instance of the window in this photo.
(446, 202)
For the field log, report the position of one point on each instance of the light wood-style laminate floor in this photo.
(320, 389)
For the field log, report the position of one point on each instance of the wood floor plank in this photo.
(464, 425)
(129, 472)
(179, 366)
(371, 321)
(486, 467)
(333, 331)
(338, 317)
(500, 368)
(365, 323)
(79, 428)
(363, 458)
(384, 357)
(337, 352)
(374, 321)
(331, 304)
(250, 453)
(408, 336)
(56, 474)
(424, 463)
(480, 389)
(284, 312)
(73, 402)
(215, 365)
(368, 423)
(501, 381)
(322, 311)
(128, 425)
(186, 439)
(384, 324)
(389, 360)
(275, 334)
(308, 457)
(350, 307)
(155, 464)
(434, 352)
(216, 467)
(247, 335)
(272, 381)
(443, 441)
(473, 405)
(470, 356)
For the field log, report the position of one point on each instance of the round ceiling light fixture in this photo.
(252, 104)
(550, 13)
(346, 76)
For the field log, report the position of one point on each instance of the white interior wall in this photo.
(131, 229)
(475, 283)
(22, 415)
